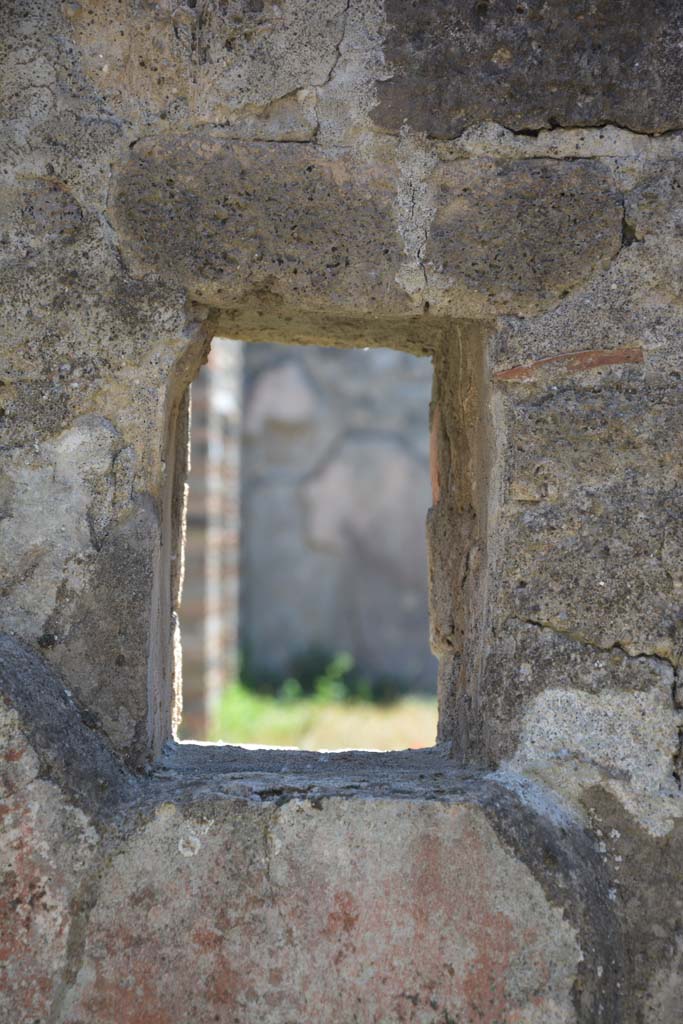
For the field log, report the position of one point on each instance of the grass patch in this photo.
(331, 708)
(319, 723)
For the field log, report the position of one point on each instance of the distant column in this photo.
(210, 602)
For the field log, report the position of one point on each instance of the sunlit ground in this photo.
(323, 722)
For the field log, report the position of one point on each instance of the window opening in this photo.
(304, 617)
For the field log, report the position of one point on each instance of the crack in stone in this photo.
(320, 85)
(677, 705)
(225, 126)
(677, 696)
(420, 250)
(492, 140)
(628, 231)
(475, 147)
(552, 128)
(605, 648)
(416, 210)
(345, 21)
(678, 760)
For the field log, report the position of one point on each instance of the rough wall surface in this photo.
(335, 464)
(251, 886)
(502, 192)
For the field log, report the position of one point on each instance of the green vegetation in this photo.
(332, 708)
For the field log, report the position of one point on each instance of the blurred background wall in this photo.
(326, 453)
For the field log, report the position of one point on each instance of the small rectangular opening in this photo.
(304, 617)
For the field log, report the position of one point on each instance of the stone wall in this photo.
(500, 189)
(336, 489)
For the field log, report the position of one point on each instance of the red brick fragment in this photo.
(434, 454)
(573, 362)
